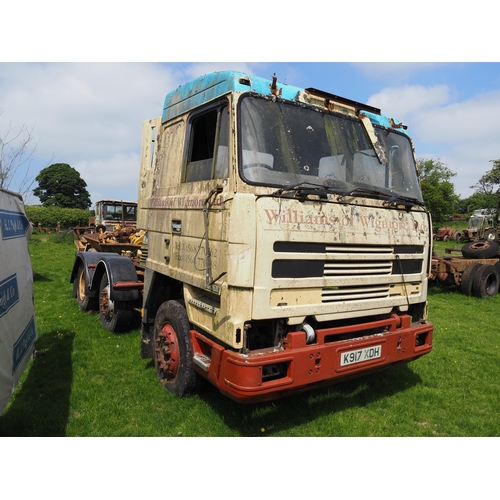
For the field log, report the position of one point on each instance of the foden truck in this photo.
(287, 242)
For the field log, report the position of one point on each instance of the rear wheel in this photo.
(497, 267)
(85, 303)
(468, 278)
(485, 282)
(173, 352)
(115, 316)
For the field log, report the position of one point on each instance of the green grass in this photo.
(91, 382)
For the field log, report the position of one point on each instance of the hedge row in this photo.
(50, 217)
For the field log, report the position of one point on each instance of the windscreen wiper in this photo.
(407, 202)
(393, 199)
(303, 189)
(369, 193)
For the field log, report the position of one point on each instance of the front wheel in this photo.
(115, 316)
(172, 351)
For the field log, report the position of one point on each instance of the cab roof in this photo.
(208, 87)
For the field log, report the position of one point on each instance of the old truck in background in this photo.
(113, 228)
(287, 245)
(109, 213)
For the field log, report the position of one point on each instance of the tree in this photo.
(475, 202)
(437, 189)
(60, 185)
(489, 186)
(16, 151)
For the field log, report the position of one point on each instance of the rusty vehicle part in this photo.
(115, 315)
(445, 233)
(478, 277)
(481, 249)
(287, 244)
(105, 242)
(173, 350)
(110, 283)
(110, 215)
(458, 217)
(260, 375)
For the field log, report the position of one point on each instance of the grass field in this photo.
(90, 382)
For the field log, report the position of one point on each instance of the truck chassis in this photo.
(477, 276)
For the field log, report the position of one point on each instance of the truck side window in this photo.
(208, 147)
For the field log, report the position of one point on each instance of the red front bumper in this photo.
(272, 373)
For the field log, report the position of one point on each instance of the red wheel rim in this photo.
(167, 353)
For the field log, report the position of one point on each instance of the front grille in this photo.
(313, 260)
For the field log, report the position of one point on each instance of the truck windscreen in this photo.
(283, 144)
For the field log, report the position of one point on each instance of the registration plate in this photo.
(360, 355)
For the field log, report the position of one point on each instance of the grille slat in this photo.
(337, 268)
(349, 293)
(349, 250)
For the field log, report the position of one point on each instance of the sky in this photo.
(84, 84)
(85, 77)
(90, 115)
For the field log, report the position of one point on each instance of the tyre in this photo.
(85, 303)
(115, 316)
(481, 249)
(173, 356)
(490, 235)
(468, 278)
(446, 237)
(486, 281)
(497, 267)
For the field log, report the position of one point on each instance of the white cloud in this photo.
(115, 177)
(86, 114)
(196, 69)
(462, 134)
(84, 110)
(473, 120)
(394, 71)
(401, 102)
(90, 115)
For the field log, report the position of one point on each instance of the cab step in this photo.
(202, 360)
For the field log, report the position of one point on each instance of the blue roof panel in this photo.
(211, 86)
